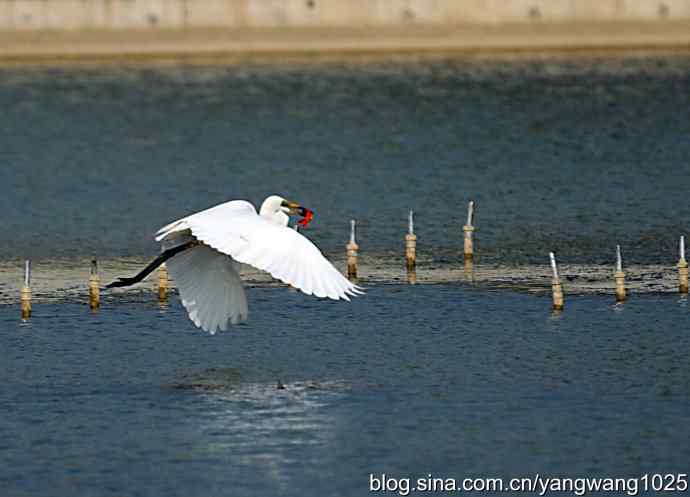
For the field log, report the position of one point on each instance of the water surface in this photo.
(408, 381)
(573, 155)
(451, 377)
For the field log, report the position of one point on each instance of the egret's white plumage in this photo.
(207, 274)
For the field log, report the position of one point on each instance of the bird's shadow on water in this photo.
(228, 380)
(209, 379)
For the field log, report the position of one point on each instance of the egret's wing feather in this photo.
(235, 229)
(213, 220)
(210, 287)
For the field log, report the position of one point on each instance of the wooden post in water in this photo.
(411, 244)
(94, 286)
(162, 283)
(469, 229)
(556, 288)
(411, 251)
(682, 268)
(620, 276)
(26, 291)
(352, 249)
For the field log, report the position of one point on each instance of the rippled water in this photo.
(450, 377)
(574, 155)
(407, 381)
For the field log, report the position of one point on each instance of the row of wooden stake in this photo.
(468, 254)
(94, 287)
(619, 276)
(410, 259)
(410, 244)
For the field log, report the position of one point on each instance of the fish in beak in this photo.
(294, 209)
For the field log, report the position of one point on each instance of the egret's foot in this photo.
(154, 264)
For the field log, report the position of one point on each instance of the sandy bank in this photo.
(61, 280)
(233, 44)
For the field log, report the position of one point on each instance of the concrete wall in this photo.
(154, 14)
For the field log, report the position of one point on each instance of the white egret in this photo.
(204, 250)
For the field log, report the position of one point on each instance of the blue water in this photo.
(409, 380)
(574, 155)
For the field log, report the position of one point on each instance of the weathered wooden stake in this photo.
(94, 286)
(411, 245)
(556, 288)
(162, 283)
(26, 291)
(468, 229)
(620, 276)
(682, 268)
(352, 249)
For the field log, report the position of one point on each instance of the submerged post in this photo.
(162, 283)
(620, 276)
(682, 268)
(26, 291)
(556, 288)
(469, 229)
(94, 286)
(352, 249)
(469, 270)
(411, 244)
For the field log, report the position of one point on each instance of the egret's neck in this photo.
(277, 217)
(270, 209)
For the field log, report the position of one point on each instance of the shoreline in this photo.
(241, 45)
(66, 279)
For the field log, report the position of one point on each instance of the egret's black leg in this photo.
(154, 264)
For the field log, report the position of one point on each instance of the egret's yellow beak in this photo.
(294, 209)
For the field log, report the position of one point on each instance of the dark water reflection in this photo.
(574, 155)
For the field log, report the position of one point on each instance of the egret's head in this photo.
(277, 208)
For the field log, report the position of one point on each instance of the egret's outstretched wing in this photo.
(234, 228)
(210, 287)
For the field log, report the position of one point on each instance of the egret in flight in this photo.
(204, 252)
